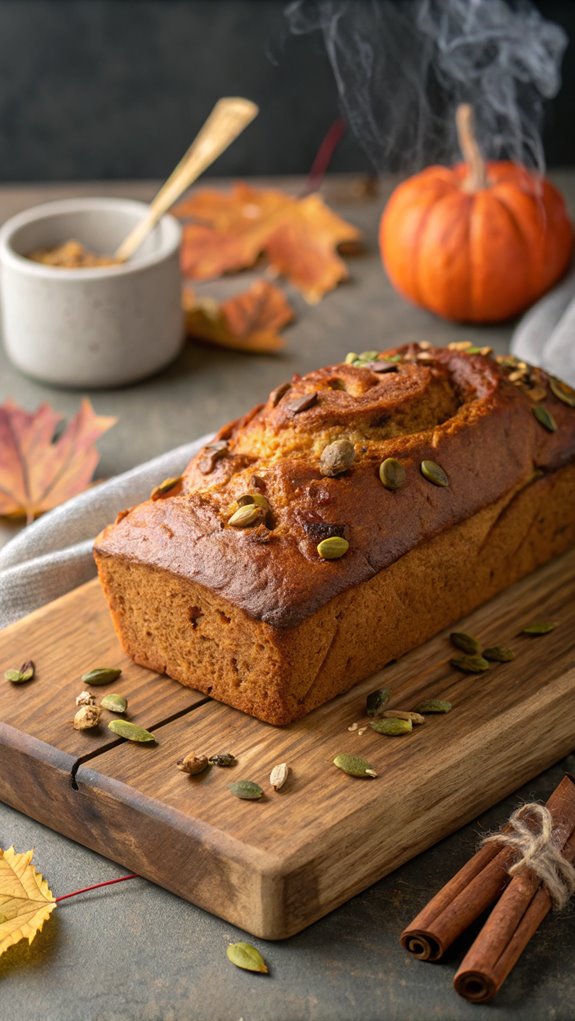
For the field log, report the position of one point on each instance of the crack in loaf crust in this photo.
(254, 616)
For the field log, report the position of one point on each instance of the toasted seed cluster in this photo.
(338, 457)
(87, 717)
(193, 764)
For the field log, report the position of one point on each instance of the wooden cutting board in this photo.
(274, 866)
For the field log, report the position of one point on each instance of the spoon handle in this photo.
(227, 120)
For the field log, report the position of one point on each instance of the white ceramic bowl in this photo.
(97, 327)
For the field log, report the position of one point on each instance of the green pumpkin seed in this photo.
(467, 643)
(540, 627)
(332, 548)
(250, 499)
(165, 487)
(392, 726)
(225, 760)
(115, 703)
(367, 359)
(123, 728)
(367, 356)
(376, 701)
(392, 473)
(354, 766)
(260, 501)
(434, 473)
(433, 705)
(247, 790)
(562, 391)
(25, 673)
(245, 956)
(498, 654)
(470, 664)
(101, 675)
(545, 418)
(246, 515)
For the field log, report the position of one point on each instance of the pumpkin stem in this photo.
(477, 176)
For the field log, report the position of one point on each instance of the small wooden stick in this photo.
(227, 120)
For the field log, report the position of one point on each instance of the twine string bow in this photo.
(531, 835)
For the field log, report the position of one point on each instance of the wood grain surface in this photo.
(65, 639)
(276, 865)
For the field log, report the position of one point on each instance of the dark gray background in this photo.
(117, 88)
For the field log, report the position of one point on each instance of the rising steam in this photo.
(402, 67)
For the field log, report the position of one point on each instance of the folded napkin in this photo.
(54, 554)
(546, 334)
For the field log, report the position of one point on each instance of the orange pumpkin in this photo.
(475, 242)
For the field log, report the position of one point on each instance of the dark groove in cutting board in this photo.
(120, 740)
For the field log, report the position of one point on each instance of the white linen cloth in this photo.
(546, 334)
(54, 554)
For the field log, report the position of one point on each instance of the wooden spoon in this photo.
(227, 120)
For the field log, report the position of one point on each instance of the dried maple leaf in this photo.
(248, 322)
(37, 473)
(26, 900)
(301, 237)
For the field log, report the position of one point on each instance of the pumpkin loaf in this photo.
(361, 509)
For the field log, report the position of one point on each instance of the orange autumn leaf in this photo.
(300, 237)
(26, 900)
(248, 322)
(38, 473)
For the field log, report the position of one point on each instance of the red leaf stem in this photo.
(324, 155)
(96, 886)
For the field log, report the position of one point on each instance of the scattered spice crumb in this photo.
(85, 698)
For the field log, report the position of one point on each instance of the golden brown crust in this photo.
(175, 626)
(459, 410)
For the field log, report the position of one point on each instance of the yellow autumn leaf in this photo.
(26, 900)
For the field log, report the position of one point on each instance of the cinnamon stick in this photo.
(518, 914)
(467, 895)
(463, 899)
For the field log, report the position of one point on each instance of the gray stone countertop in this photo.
(134, 952)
